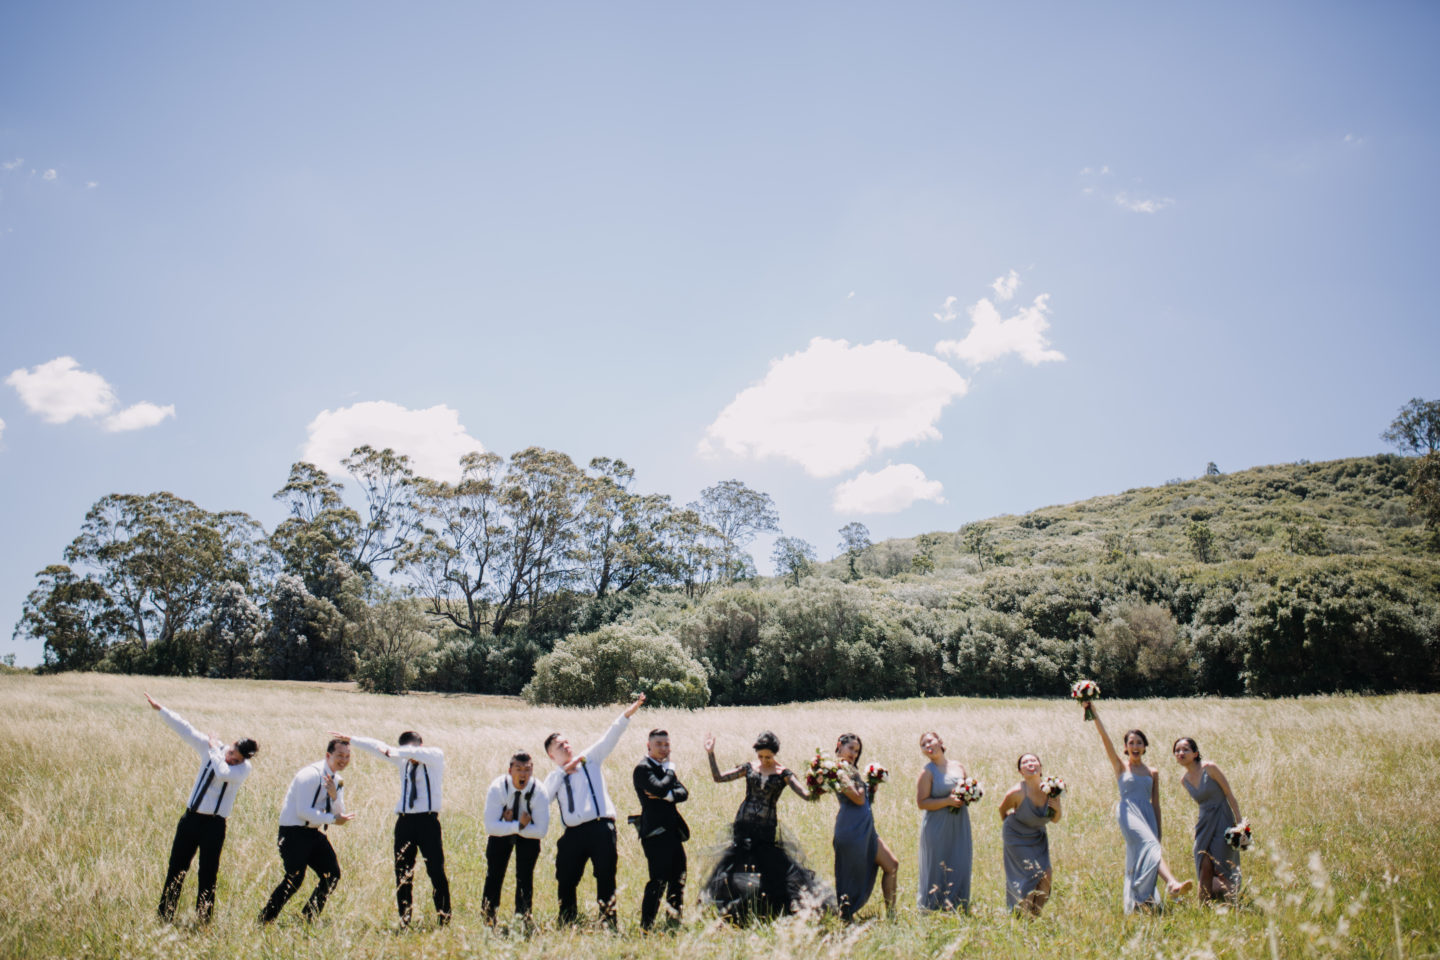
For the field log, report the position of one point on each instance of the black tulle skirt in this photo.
(759, 874)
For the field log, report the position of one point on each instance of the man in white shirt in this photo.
(417, 818)
(517, 815)
(315, 800)
(202, 826)
(578, 786)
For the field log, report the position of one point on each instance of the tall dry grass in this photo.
(91, 784)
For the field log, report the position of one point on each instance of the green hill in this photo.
(1278, 580)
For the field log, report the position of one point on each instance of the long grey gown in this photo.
(946, 849)
(1215, 818)
(1027, 849)
(1136, 816)
(856, 844)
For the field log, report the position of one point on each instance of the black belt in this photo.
(590, 821)
(197, 813)
(420, 813)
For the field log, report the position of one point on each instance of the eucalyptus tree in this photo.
(793, 558)
(621, 532)
(854, 543)
(738, 514)
(72, 616)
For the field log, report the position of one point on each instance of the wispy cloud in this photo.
(832, 405)
(1353, 139)
(91, 184)
(889, 490)
(850, 295)
(49, 175)
(138, 416)
(59, 391)
(433, 438)
(1143, 204)
(1005, 286)
(947, 310)
(12, 165)
(992, 337)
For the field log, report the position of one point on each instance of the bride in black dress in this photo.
(760, 871)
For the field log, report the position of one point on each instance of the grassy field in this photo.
(92, 782)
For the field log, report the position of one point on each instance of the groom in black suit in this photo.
(663, 831)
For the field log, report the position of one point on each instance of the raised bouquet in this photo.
(1238, 837)
(967, 791)
(1085, 691)
(1052, 787)
(822, 776)
(875, 775)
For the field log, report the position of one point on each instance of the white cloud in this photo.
(831, 405)
(59, 391)
(1143, 204)
(49, 175)
(886, 491)
(138, 416)
(12, 164)
(992, 337)
(91, 184)
(433, 439)
(947, 310)
(2, 429)
(1006, 286)
(1352, 138)
(850, 295)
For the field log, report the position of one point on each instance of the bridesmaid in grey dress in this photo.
(1138, 814)
(859, 851)
(1217, 865)
(1024, 814)
(946, 849)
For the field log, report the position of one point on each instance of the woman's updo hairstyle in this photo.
(767, 741)
(1194, 747)
(851, 738)
(1139, 733)
(932, 733)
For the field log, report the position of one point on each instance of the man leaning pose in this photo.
(417, 818)
(202, 826)
(315, 800)
(578, 786)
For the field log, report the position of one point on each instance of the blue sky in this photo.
(713, 240)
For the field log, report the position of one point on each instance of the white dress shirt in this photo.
(587, 791)
(217, 783)
(307, 802)
(421, 768)
(533, 800)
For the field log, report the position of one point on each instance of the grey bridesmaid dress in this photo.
(1215, 818)
(856, 845)
(1136, 816)
(1027, 849)
(946, 849)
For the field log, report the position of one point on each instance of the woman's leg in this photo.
(1173, 886)
(889, 874)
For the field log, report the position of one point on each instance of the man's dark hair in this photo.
(409, 737)
(657, 732)
(767, 741)
(520, 757)
(330, 747)
(549, 740)
(247, 747)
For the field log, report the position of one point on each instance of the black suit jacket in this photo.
(658, 816)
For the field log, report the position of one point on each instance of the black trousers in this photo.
(592, 841)
(302, 847)
(420, 833)
(665, 855)
(195, 831)
(497, 861)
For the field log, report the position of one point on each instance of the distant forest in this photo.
(531, 575)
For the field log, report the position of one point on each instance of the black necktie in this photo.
(414, 790)
(515, 808)
(569, 794)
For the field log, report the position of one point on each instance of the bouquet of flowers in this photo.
(1085, 691)
(1238, 837)
(1052, 786)
(875, 775)
(967, 791)
(823, 775)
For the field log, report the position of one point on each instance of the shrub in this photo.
(613, 663)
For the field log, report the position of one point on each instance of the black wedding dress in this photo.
(759, 871)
